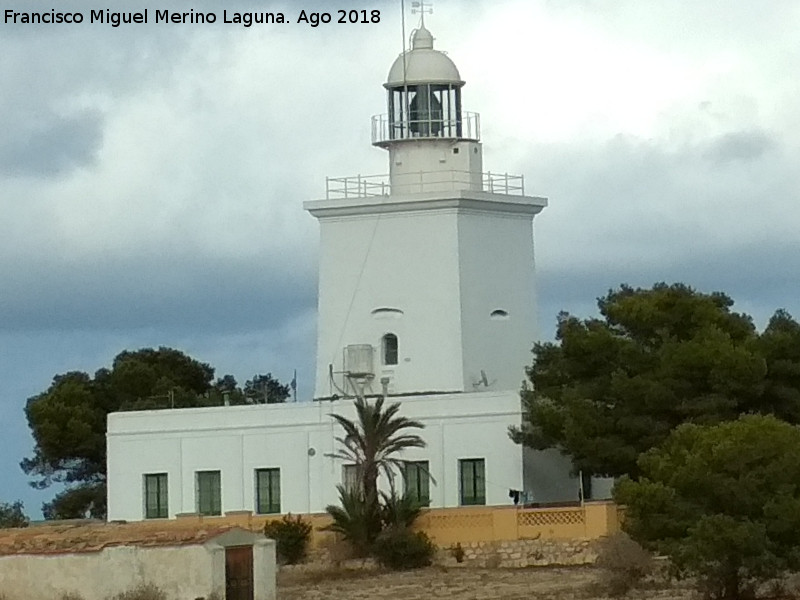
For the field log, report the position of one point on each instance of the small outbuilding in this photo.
(98, 561)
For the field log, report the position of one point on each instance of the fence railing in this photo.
(435, 125)
(415, 182)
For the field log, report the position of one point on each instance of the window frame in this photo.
(477, 475)
(215, 508)
(421, 488)
(390, 353)
(161, 493)
(273, 504)
(350, 478)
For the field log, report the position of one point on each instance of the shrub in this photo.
(11, 515)
(624, 562)
(146, 591)
(722, 502)
(457, 552)
(357, 520)
(399, 511)
(63, 596)
(401, 548)
(291, 535)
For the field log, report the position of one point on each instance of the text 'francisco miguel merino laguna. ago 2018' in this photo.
(245, 19)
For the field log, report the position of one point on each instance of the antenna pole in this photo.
(404, 103)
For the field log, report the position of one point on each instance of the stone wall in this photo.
(502, 554)
(520, 553)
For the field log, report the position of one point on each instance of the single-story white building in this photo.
(275, 458)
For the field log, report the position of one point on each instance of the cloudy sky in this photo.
(152, 177)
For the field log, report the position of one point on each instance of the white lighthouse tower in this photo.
(426, 275)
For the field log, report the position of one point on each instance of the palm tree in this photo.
(373, 441)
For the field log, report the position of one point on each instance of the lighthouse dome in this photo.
(423, 64)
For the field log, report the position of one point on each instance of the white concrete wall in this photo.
(496, 273)
(239, 439)
(181, 572)
(443, 262)
(435, 165)
(405, 261)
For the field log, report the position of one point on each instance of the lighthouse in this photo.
(426, 295)
(426, 275)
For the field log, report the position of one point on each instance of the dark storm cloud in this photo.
(170, 294)
(47, 144)
(759, 278)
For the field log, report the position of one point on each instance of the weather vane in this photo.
(422, 7)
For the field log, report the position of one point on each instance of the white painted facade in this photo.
(298, 439)
(439, 257)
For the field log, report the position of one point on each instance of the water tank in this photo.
(358, 360)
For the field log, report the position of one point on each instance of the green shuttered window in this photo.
(472, 481)
(268, 491)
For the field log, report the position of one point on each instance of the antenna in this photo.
(483, 381)
(404, 108)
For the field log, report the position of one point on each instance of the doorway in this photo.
(239, 573)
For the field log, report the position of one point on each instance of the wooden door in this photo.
(239, 573)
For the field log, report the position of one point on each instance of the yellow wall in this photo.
(447, 526)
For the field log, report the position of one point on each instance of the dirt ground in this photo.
(457, 583)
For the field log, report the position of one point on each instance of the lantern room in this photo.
(424, 97)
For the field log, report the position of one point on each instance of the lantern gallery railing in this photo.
(386, 130)
(364, 186)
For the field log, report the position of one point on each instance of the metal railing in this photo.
(357, 186)
(366, 186)
(386, 130)
(503, 183)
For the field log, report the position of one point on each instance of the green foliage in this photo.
(399, 548)
(372, 443)
(780, 347)
(265, 389)
(68, 421)
(624, 563)
(12, 515)
(614, 387)
(357, 520)
(723, 502)
(87, 500)
(399, 511)
(291, 535)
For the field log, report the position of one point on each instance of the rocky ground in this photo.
(451, 583)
